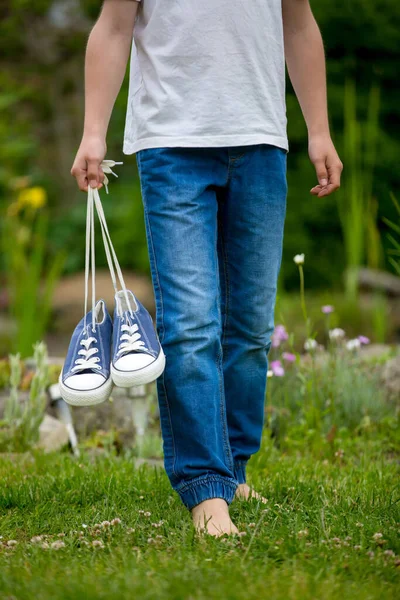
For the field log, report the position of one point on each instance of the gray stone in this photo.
(391, 378)
(53, 434)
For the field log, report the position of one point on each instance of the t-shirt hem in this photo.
(205, 142)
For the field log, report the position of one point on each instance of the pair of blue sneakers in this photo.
(101, 353)
(126, 351)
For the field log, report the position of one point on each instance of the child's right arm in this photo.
(107, 55)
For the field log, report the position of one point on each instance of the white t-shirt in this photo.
(206, 73)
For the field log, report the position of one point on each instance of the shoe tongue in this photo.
(89, 372)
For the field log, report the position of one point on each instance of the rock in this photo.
(391, 378)
(53, 434)
(125, 412)
(379, 280)
(376, 351)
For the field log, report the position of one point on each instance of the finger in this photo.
(82, 182)
(334, 175)
(322, 173)
(93, 173)
(329, 189)
(79, 171)
(334, 180)
(316, 189)
(81, 179)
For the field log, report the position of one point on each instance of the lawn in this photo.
(107, 529)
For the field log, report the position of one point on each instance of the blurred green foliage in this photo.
(23, 413)
(394, 237)
(41, 113)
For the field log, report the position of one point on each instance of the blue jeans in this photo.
(214, 223)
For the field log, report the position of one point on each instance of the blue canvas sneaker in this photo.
(85, 379)
(137, 354)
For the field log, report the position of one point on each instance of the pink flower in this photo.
(289, 357)
(327, 309)
(363, 340)
(277, 369)
(280, 335)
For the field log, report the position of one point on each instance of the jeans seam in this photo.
(189, 485)
(223, 415)
(232, 160)
(227, 448)
(162, 332)
(227, 284)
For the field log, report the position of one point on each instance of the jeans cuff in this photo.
(240, 470)
(205, 487)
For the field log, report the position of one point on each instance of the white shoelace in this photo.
(89, 360)
(93, 200)
(131, 340)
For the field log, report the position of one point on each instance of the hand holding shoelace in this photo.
(90, 169)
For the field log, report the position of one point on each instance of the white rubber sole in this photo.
(142, 376)
(86, 398)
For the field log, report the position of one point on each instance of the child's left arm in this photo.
(305, 60)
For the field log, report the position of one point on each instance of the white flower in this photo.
(336, 334)
(36, 539)
(270, 373)
(353, 344)
(299, 259)
(303, 533)
(105, 524)
(310, 344)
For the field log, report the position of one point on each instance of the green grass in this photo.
(313, 540)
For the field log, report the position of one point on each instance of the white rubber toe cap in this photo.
(84, 381)
(133, 362)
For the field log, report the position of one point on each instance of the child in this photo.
(207, 121)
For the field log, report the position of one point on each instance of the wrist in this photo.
(94, 134)
(319, 132)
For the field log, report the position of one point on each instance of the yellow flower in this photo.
(35, 197)
(31, 197)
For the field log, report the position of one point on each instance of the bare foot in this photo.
(245, 492)
(212, 517)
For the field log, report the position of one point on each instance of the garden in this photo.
(86, 509)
